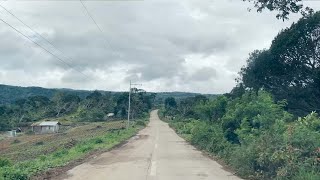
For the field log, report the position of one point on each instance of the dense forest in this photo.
(267, 127)
(9, 94)
(94, 107)
(21, 106)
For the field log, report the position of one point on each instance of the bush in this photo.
(5, 162)
(14, 174)
(256, 136)
(308, 175)
(60, 153)
(140, 123)
(98, 141)
(84, 148)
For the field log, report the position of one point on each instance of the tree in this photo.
(170, 106)
(283, 7)
(290, 69)
(186, 106)
(65, 103)
(95, 95)
(170, 102)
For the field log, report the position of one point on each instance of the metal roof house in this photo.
(46, 127)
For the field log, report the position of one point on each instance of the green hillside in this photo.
(9, 94)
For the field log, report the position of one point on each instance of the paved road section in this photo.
(156, 153)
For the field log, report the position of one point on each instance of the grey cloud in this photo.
(159, 68)
(146, 41)
(74, 77)
(204, 74)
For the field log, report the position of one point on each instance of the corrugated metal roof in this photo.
(49, 123)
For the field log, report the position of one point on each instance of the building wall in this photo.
(36, 129)
(46, 129)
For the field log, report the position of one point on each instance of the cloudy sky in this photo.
(167, 45)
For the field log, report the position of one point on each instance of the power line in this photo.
(91, 16)
(29, 27)
(57, 57)
(43, 39)
(95, 22)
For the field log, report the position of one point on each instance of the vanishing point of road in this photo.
(156, 153)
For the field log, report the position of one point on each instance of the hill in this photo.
(9, 94)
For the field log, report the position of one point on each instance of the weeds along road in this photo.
(156, 153)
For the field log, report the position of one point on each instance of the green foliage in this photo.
(140, 123)
(94, 107)
(98, 141)
(306, 174)
(290, 68)
(255, 136)
(14, 174)
(170, 106)
(211, 110)
(283, 8)
(162, 96)
(10, 94)
(93, 115)
(26, 169)
(4, 162)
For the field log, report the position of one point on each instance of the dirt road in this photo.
(156, 153)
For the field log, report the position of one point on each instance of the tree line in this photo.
(267, 127)
(94, 107)
(289, 69)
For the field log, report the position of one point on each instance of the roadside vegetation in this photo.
(33, 154)
(85, 128)
(267, 127)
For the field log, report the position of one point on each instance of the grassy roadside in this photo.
(182, 129)
(63, 156)
(286, 150)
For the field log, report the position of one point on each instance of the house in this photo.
(46, 127)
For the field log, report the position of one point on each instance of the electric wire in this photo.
(43, 48)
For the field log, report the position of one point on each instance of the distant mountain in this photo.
(9, 94)
(161, 96)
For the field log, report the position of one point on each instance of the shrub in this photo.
(43, 157)
(98, 141)
(308, 175)
(84, 148)
(5, 162)
(14, 174)
(140, 123)
(60, 153)
(256, 136)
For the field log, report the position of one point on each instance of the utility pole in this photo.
(129, 106)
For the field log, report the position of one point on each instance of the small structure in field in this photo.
(46, 127)
(12, 133)
(109, 115)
